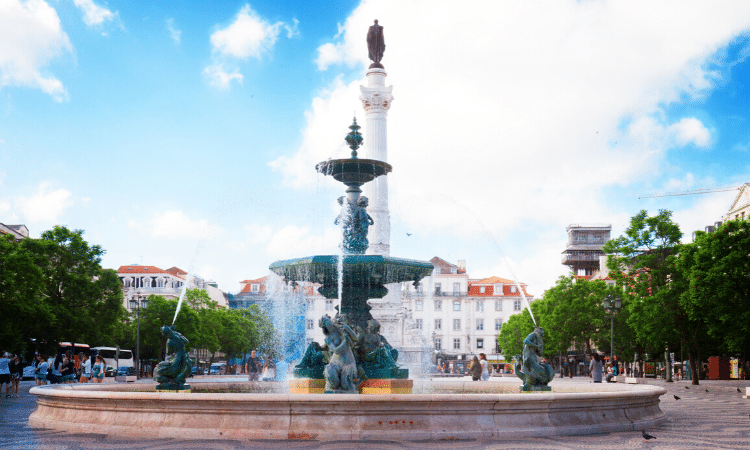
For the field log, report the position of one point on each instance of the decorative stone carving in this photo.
(376, 99)
(534, 373)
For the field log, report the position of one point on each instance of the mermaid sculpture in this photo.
(171, 374)
(341, 371)
(534, 373)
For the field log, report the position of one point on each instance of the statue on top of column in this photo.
(376, 45)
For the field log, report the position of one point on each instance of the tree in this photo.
(643, 262)
(513, 332)
(718, 272)
(22, 314)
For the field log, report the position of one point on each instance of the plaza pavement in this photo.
(717, 419)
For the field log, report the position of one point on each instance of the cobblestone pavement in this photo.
(715, 419)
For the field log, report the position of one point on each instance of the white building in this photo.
(462, 317)
(740, 208)
(138, 282)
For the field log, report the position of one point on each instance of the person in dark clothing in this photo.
(253, 366)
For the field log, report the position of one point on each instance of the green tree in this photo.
(513, 332)
(23, 314)
(718, 272)
(643, 261)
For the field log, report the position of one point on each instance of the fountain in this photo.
(354, 278)
(354, 360)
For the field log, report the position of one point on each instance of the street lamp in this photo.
(135, 303)
(612, 306)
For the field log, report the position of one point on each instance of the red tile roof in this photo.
(176, 271)
(137, 268)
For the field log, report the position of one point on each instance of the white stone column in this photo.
(376, 100)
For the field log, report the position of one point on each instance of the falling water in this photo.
(182, 297)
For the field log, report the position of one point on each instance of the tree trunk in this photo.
(694, 373)
(667, 366)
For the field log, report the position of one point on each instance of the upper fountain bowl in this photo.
(353, 171)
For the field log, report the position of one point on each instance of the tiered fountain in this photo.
(354, 278)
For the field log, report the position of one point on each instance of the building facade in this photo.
(138, 282)
(740, 208)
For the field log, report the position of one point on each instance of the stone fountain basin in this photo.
(137, 410)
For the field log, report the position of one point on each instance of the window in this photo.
(480, 324)
(513, 289)
(456, 289)
(438, 305)
(255, 288)
(480, 343)
(456, 324)
(438, 324)
(419, 324)
(419, 305)
(480, 305)
(516, 305)
(310, 304)
(457, 305)
(498, 289)
(498, 305)
(329, 305)
(457, 344)
(482, 290)
(454, 269)
(498, 324)
(438, 343)
(437, 288)
(310, 324)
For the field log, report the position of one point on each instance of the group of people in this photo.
(596, 369)
(479, 368)
(11, 371)
(267, 370)
(64, 369)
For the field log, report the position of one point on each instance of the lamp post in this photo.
(135, 303)
(612, 306)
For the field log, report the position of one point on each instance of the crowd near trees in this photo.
(53, 289)
(685, 298)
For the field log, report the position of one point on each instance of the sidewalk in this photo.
(717, 419)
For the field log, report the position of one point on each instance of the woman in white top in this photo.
(485, 369)
(85, 368)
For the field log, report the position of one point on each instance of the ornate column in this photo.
(376, 100)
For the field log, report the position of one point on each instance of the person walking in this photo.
(282, 369)
(68, 368)
(596, 368)
(475, 368)
(16, 373)
(485, 367)
(5, 374)
(99, 369)
(252, 366)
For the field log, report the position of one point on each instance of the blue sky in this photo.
(185, 133)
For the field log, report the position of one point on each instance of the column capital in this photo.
(376, 99)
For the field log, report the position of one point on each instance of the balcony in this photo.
(571, 257)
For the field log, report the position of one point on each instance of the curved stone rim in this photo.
(136, 410)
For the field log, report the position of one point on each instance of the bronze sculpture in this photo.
(534, 373)
(171, 374)
(375, 45)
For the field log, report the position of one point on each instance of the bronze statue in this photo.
(341, 371)
(534, 373)
(376, 45)
(171, 374)
(374, 349)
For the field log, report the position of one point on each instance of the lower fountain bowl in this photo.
(215, 412)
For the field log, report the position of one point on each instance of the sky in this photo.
(186, 133)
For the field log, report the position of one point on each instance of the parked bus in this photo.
(111, 358)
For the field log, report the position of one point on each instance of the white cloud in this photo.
(174, 33)
(292, 241)
(691, 131)
(522, 115)
(31, 38)
(45, 205)
(94, 14)
(219, 77)
(176, 224)
(248, 36)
